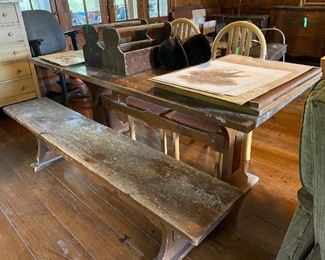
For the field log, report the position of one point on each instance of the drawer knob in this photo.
(14, 52)
(4, 14)
(10, 34)
(19, 71)
(23, 88)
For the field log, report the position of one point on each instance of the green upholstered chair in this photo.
(305, 238)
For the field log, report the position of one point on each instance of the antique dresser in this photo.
(18, 81)
(304, 28)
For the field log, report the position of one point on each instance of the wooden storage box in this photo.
(126, 50)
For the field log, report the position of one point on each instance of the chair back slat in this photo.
(184, 28)
(184, 31)
(243, 39)
(189, 31)
(230, 40)
(235, 40)
(248, 43)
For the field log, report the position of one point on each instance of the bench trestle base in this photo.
(173, 245)
(45, 157)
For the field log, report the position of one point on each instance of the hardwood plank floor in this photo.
(59, 212)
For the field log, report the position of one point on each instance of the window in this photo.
(158, 8)
(35, 5)
(125, 9)
(85, 12)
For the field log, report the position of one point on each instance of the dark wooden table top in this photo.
(138, 85)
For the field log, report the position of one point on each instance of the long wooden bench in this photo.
(185, 203)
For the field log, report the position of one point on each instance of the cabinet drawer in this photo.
(14, 70)
(10, 33)
(15, 99)
(8, 14)
(13, 52)
(16, 87)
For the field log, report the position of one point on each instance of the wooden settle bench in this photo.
(185, 203)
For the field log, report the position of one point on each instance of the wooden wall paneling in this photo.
(314, 2)
(63, 14)
(143, 9)
(104, 10)
(61, 10)
(111, 10)
(54, 10)
(252, 6)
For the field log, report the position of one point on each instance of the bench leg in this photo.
(173, 245)
(218, 162)
(163, 141)
(44, 157)
(176, 146)
(132, 127)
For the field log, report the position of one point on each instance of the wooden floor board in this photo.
(83, 212)
(11, 245)
(35, 224)
(82, 222)
(131, 216)
(106, 212)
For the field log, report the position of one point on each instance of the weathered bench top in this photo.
(187, 199)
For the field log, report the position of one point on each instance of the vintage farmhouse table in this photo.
(139, 86)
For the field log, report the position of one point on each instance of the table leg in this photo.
(98, 112)
(241, 177)
(102, 115)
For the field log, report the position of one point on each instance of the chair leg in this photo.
(176, 146)
(132, 127)
(163, 141)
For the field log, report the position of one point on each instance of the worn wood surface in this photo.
(139, 86)
(94, 45)
(266, 209)
(34, 231)
(137, 54)
(11, 246)
(137, 237)
(164, 187)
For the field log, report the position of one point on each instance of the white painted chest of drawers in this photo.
(18, 81)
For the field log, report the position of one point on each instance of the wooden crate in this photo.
(126, 50)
